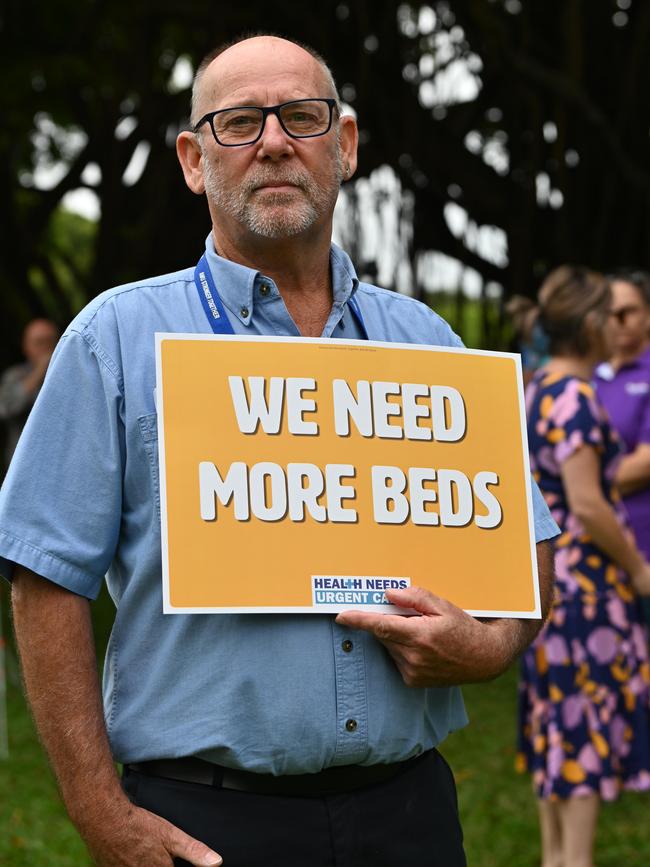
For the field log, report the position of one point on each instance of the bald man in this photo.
(21, 383)
(302, 741)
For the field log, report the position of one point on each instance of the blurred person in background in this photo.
(529, 338)
(623, 385)
(19, 386)
(21, 383)
(584, 725)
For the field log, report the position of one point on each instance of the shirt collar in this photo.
(235, 283)
(240, 287)
(604, 371)
(639, 363)
(643, 360)
(344, 278)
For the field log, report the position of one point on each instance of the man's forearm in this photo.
(54, 634)
(518, 634)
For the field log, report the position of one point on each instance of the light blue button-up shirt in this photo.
(269, 693)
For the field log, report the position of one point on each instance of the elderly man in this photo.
(280, 739)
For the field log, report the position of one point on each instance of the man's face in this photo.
(273, 200)
(39, 339)
(279, 186)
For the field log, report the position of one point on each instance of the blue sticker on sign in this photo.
(354, 589)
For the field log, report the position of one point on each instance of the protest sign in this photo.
(302, 474)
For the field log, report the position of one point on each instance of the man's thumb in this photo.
(197, 853)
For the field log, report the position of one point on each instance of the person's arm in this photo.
(55, 639)
(633, 473)
(585, 498)
(445, 646)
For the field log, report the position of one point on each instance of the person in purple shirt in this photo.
(623, 385)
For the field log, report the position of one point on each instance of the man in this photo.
(283, 739)
(21, 383)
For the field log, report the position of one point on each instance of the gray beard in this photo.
(275, 215)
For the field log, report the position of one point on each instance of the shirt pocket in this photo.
(148, 425)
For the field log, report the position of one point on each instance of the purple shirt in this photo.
(626, 396)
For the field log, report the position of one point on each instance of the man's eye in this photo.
(302, 120)
(240, 120)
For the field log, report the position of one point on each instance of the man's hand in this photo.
(134, 837)
(442, 647)
(57, 650)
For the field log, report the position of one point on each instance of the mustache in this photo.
(260, 178)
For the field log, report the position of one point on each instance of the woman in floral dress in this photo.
(585, 693)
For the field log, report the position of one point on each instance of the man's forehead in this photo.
(259, 65)
(38, 327)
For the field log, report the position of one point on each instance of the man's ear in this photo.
(349, 143)
(191, 160)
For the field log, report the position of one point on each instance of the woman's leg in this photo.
(578, 817)
(551, 833)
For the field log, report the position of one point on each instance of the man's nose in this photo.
(274, 144)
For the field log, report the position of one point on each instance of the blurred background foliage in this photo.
(498, 138)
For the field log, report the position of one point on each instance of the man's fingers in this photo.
(397, 627)
(183, 846)
(385, 627)
(418, 599)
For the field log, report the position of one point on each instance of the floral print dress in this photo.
(584, 699)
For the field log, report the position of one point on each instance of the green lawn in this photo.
(496, 805)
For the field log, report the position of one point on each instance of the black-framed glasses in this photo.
(244, 124)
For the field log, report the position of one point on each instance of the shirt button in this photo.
(351, 725)
(347, 645)
(265, 289)
(244, 312)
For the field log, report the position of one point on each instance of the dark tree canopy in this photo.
(550, 146)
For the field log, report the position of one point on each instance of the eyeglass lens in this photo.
(242, 125)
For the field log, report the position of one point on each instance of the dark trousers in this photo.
(409, 821)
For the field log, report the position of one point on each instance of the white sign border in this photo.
(168, 608)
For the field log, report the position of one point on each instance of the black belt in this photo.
(344, 778)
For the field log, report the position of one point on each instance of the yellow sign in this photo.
(299, 474)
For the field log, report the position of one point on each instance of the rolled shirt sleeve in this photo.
(82, 499)
(60, 504)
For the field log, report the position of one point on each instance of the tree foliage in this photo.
(545, 137)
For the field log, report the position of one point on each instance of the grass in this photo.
(497, 807)
(34, 827)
